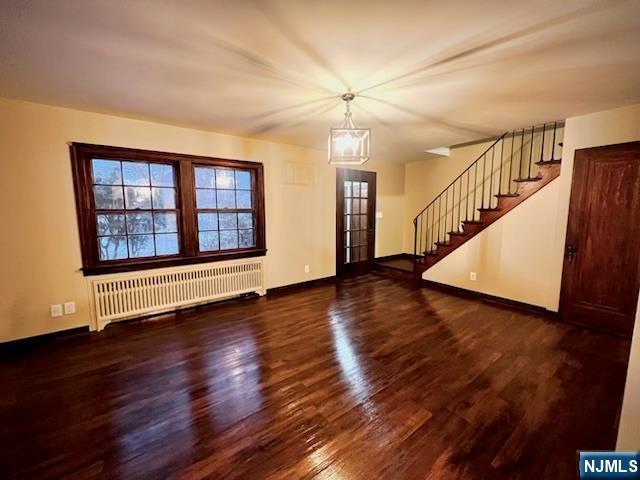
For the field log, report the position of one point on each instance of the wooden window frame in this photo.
(81, 156)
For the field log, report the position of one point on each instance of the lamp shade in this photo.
(349, 146)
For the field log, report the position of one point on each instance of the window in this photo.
(225, 209)
(140, 209)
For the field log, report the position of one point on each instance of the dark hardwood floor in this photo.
(369, 378)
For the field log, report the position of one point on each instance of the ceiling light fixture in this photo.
(348, 144)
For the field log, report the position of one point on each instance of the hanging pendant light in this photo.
(348, 144)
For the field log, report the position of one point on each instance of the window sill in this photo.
(172, 262)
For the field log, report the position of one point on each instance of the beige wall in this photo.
(39, 248)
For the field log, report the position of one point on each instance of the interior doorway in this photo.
(355, 221)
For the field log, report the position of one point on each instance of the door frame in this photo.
(580, 156)
(341, 174)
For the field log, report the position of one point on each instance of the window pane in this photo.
(243, 198)
(228, 239)
(205, 177)
(139, 222)
(141, 246)
(226, 199)
(243, 180)
(246, 238)
(164, 198)
(224, 179)
(245, 220)
(208, 241)
(355, 205)
(363, 222)
(112, 248)
(167, 244)
(356, 189)
(138, 197)
(165, 222)
(228, 221)
(363, 254)
(106, 172)
(363, 206)
(110, 224)
(347, 205)
(355, 222)
(207, 221)
(135, 173)
(364, 189)
(347, 188)
(161, 175)
(205, 198)
(109, 198)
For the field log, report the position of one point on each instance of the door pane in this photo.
(364, 189)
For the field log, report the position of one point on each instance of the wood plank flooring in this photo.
(368, 378)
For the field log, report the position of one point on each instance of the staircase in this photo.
(512, 169)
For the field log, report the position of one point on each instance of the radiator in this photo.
(123, 296)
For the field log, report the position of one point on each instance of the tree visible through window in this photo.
(136, 212)
(140, 209)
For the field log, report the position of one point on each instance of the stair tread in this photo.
(488, 209)
(462, 234)
(549, 162)
(473, 222)
(527, 179)
(443, 244)
(506, 195)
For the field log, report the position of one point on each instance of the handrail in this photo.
(415, 219)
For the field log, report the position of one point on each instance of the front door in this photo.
(355, 219)
(601, 274)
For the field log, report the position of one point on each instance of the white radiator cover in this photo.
(130, 295)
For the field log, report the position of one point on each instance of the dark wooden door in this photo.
(355, 219)
(601, 274)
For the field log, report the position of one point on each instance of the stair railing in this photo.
(512, 158)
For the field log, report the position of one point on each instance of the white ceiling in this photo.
(428, 73)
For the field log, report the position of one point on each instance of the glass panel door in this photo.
(356, 201)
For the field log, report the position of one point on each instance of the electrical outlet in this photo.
(472, 276)
(69, 308)
(56, 310)
(306, 269)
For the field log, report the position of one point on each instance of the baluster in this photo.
(521, 154)
(459, 204)
(475, 190)
(544, 127)
(531, 151)
(553, 145)
(493, 152)
(439, 215)
(453, 205)
(466, 201)
(501, 163)
(513, 139)
(433, 206)
(446, 209)
(420, 229)
(415, 236)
